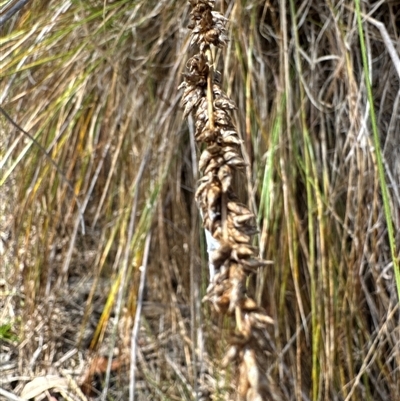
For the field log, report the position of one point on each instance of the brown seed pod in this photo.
(207, 135)
(223, 102)
(238, 208)
(261, 320)
(230, 356)
(221, 254)
(242, 251)
(205, 158)
(230, 140)
(238, 236)
(213, 195)
(213, 165)
(252, 264)
(236, 162)
(222, 118)
(191, 100)
(230, 153)
(211, 36)
(225, 177)
(242, 219)
(243, 384)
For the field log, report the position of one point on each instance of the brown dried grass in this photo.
(95, 82)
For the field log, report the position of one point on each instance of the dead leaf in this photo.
(40, 384)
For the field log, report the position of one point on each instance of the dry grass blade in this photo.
(10, 396)
(7, 11)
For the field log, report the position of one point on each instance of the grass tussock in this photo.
(316, 90)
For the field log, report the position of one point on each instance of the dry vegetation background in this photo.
(95, 83)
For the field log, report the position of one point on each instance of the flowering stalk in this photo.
(230, 223)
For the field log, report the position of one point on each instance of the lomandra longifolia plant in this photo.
(230, 223)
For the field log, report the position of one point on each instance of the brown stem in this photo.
(210, 95)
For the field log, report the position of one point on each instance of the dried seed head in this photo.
(235, 258)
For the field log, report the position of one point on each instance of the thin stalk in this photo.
(378, 153)
(308, 167)
(136, 325)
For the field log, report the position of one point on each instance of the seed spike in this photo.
(228, 222)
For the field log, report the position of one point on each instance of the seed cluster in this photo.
(230, 222)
